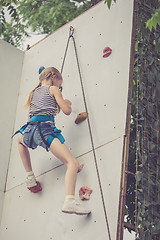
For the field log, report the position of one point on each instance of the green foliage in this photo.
(12, 31)
(147, 67)
(154, 20)
(109, 3)
(41, 16)
(47, 16)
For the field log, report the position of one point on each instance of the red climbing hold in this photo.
(84, 193)
(36, 188)
(106, 52)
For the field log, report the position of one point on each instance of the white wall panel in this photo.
(109, 159)
(106, 79)
(38, 216)
(1, 204)
(11, 60)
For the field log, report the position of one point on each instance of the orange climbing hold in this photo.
(81, 117)
(85, 192)
(36, 188)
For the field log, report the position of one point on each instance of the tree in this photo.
(42, 16)
(47, 16)
(12, 31)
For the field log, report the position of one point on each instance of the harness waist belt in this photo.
(35, 118)
(41, 118)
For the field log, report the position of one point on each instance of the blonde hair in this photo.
(47, 74)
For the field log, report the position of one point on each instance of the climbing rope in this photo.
(89, 125)
(70, 35)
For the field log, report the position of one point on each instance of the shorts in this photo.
(32, 134)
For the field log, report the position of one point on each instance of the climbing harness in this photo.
(37, 119)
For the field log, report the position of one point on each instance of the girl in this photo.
(44, 102)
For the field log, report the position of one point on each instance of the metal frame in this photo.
(127, 134)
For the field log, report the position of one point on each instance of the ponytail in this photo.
(29, 98)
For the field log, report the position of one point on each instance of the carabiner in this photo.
(71, 31)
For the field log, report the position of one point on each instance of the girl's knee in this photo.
(73, 162)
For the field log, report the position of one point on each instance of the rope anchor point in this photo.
(71, 31)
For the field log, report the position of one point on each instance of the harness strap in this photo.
(55, 133)
(45, 142)
(31, 142)
(20, 130)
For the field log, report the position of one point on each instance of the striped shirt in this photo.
(43, 103)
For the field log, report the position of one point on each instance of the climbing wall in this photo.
(98, 141)
(11, 60)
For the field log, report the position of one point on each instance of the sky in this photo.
(32, 40)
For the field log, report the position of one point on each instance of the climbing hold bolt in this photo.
(81, 117)
(85, 192)
(106, 52)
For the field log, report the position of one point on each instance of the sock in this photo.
(70, 198)
(30, 175)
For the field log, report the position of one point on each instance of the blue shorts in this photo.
(31, 133)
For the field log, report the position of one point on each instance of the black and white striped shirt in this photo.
(43, 103)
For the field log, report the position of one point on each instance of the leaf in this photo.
(108, 3)
(154, 20)
(34, 3)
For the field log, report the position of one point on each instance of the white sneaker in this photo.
(31, 182)
(74, 207)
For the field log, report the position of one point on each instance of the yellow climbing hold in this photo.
(81, 117)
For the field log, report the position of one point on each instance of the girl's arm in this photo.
(64, 104)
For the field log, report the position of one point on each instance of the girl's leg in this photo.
(24, 153)
(62, 153)
(31, 182)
